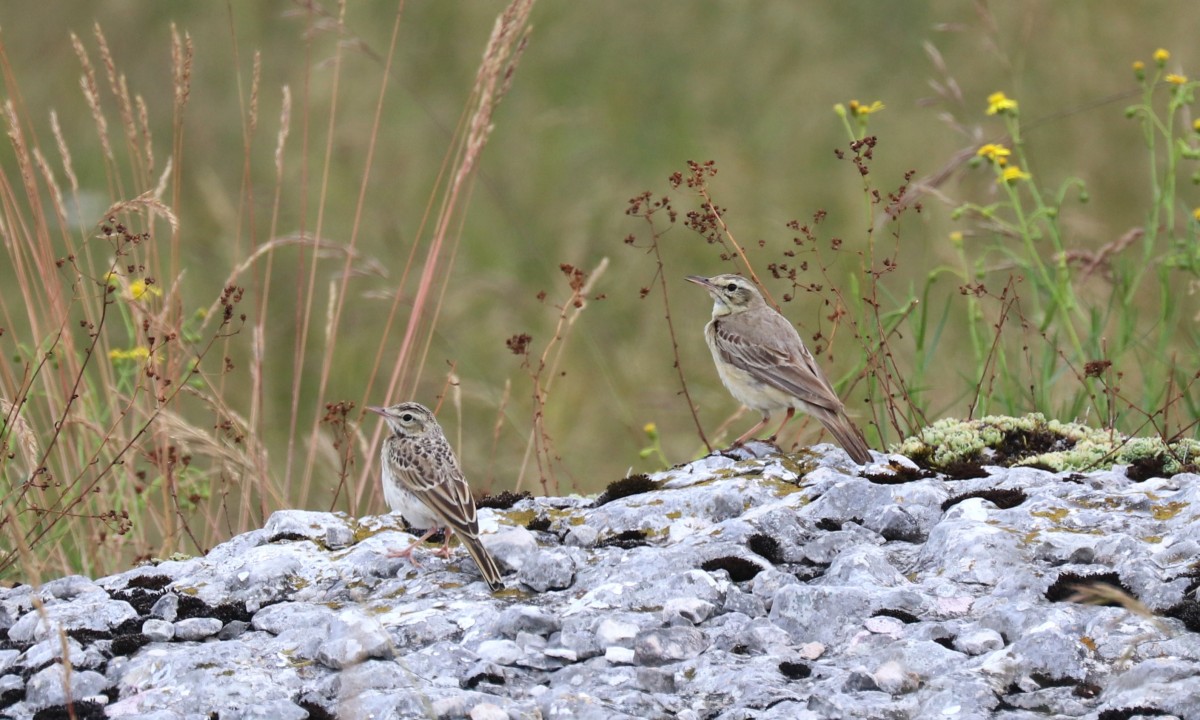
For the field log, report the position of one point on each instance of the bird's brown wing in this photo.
(436, 479)
(771, 350)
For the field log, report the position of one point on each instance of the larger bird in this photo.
(765, 366)
(422, 481)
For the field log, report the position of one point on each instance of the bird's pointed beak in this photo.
(699, 280)
(376, 410)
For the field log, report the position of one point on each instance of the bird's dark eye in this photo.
(731, 287)
(407, 417)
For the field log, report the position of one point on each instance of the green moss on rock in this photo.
(1032, 440)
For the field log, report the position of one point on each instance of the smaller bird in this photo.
(765, 366)
(422, 481)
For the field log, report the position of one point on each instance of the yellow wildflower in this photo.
(1161, 57)
(1139, 69)
(139, 353)
(1012, 174)
(956, 238)
(1196, 125)
(1196, 214)
(1001, 104)
(1175, 79)
(857, 109)
(650, 429)
(139, 288)
(994, 153)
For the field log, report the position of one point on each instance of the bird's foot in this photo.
(406, 553)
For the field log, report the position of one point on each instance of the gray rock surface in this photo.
(747, 585)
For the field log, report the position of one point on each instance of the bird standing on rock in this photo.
(422, 481)
(765, 366)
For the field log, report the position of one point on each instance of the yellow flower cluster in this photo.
(1001, 104)
(995, 154)
(1011, 174)
(857, 109)
(139, 288)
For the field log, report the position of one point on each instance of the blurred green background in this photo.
(607, 101)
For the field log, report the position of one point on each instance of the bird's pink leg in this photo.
(790, 413)
(753, 431)
(445, 551)
(407, 552)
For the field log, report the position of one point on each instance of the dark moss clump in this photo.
(632, 485)
(625, 540)
(230, 611)
(1064, 587)
(946, 642)
(191, 606)
(539, 524)
(315, 711)
(1148, 467)
(149, 582)
(13, 696)
(899, 475)
(1086, 690)
(740, 569)
(964, 467)
(766, 547)
(1003, 499)
(87, 636)
(1129, 712)
(1020, 443)
(132, 625)
(794, 670)
(81, 710)
(1044, 680)
(126, 645)
(140, 599)
(740, 650)
(964, 470)
(287, 537)
(502, 501)
(1187, 612)
(1191, 587)
(472, 682)
(832, 525)
(905, 617)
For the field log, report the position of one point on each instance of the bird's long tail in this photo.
(848, 436)
(483, 560)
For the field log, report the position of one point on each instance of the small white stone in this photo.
(812, 650)
(158, 630)
(979, 642)
(561, 653)
(487, 711)
(619, 655)
(891, 677)
(884, 625)
(612, 632)
(501, 652)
